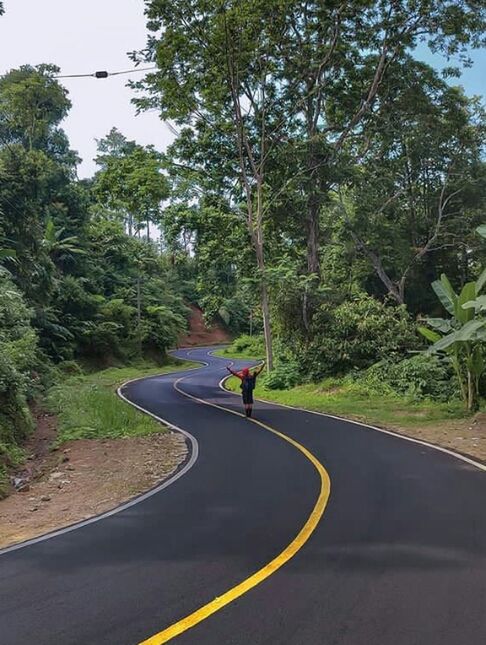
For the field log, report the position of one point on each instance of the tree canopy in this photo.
(295, 113)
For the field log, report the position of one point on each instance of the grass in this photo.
(88, 407)
(251, 352)
(353, 401)
(232, 355)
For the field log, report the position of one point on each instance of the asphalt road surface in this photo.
(398, 557)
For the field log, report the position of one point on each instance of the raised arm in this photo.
(259, 370)
(233, 372)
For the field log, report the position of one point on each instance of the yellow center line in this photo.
(262, 574)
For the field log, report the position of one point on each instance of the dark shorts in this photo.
(247, 397)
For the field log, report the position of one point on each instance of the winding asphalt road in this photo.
(399, 556)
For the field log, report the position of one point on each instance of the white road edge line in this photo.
(137, 500)
(457, 455)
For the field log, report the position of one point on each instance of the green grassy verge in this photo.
(88, 407)
(244, 348)
(353, 402)
(231, 355)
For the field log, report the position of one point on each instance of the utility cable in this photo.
(105, 74)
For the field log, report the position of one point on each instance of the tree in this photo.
(59, 246)
(338, 59)
(131, 181)
(227, 46)
(266, 73)
(414, 186)
(115, 144)
(32, 104)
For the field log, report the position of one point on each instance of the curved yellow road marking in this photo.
(297, 543)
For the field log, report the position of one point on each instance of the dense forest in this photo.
(79, 280)
(321, 181)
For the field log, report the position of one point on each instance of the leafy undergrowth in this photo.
(231, 355)
(14, 456)
(352, 401)
(88, 407)
(244, 348)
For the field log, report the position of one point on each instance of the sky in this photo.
(82, 37)
(89, 35)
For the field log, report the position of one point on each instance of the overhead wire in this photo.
(104, 74)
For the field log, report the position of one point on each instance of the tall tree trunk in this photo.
(148, 230)
(265, 300)
(249, 166)
(256, 233)
(130, 224)
(395, 291)
(313, 201)
(312, 220)
(267, 328)
(139, 314)
(313, 230)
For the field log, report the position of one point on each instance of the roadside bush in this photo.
(162, 327)
(101, 339)
(354, 335)
(70, 368)
(418, 377)
(18, 357)
(249, 346)
(283, 377)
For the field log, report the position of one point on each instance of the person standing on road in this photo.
(248, 382)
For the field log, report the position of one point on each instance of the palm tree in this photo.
(60, 248)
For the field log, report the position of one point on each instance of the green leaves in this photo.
(479, 304)
(443, 325)
(430, 335)
(7, 253)
(473, 330)
(464, 334)
(445, 293)
(480, 282)
(468, 292)
(460, 307)
(481, 230)
(32, 104)
(131, 182)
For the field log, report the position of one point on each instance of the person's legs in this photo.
(249, 401)
(246, 402)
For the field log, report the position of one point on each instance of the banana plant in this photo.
(462, 336)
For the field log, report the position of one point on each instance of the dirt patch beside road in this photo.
(84, 478)
(466, 436)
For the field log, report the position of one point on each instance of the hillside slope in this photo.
(199, 334)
